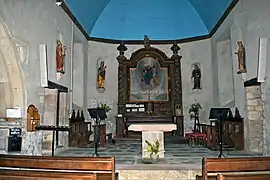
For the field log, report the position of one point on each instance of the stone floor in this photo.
(128, 155)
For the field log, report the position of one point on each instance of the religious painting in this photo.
(60, 57)
(196, 76)
(148, 81)
(101, 74)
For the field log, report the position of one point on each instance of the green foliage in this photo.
(154, 148)
(104, 106)
(195, 108)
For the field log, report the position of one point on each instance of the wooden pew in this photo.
(236, 168)
(243, 176)
(64, 168)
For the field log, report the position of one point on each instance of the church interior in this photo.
(114, 89)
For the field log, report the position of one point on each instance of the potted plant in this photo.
(153, 149)
(194, 112)
(104, 106)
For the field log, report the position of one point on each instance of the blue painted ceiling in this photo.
(158, 19)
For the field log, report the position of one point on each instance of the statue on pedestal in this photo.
(60, 57)
(196, 75)
(146, 42)
(101, 75)
(241, 58)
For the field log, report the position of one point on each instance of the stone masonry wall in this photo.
(254, 122)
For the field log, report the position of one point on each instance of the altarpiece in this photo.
(149, 87)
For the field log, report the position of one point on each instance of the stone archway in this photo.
(12, 86)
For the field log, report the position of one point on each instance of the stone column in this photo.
(254, 121)
(63, 118)
(50, 108)
(4, 140)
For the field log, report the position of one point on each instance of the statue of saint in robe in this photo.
(196, 75)
(241, 58)
(101, 75)
(60, 56)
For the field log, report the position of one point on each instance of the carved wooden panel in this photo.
(172, 66)
(33, 118)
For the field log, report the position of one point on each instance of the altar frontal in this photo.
(152, 133)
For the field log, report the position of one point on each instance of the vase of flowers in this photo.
(105, 107)
(194, 112)
(153, 149)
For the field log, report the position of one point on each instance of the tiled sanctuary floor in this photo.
(128, 153)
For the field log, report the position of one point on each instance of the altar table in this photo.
(152, 132)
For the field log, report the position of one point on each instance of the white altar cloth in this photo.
(152, 132)
(152, 127)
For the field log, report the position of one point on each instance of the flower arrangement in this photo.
(153, 148)
(105, 107)
(194, 109)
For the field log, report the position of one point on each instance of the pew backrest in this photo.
(243, 176)
(242, 164)
(79, 165)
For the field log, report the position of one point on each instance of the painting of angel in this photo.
(148, 81)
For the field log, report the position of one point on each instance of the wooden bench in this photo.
(248, 168)
(243, 177)
(64, 168)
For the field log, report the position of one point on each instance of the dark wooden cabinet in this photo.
(232, 134)
(234, 129)
(148, 119)
(120, 126)
(179, 121)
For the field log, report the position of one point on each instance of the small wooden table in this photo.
(152, 132)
